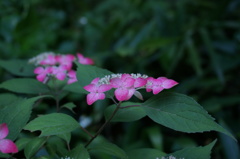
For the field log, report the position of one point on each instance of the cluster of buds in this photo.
(126, 85)
(6, 145)
(58, 66)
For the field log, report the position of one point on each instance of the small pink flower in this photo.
(50, 60)
(84, 60)
(96, 91)
(72, 77)
(157, 85)
(66, 60)
(42, 73)
(125, 87)
(59, 72)
(6, 145)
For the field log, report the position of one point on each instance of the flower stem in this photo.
(104, 125)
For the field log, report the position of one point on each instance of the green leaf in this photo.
(145, 153)
(195, 152)
(75, 88)
(79, 152)
(69, 106)
(25, 85)
(128, 112)
(101, 145)
(33, 146)
(86, 73)
(22, 142)
(52, 124)
(17, 114)
(65, 136)
(181, 113)
(18, 67)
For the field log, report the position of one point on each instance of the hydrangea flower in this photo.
(96, 91)
(127, 85)
(6, 145)
(57, 66)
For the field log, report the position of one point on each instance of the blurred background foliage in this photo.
(193, 42)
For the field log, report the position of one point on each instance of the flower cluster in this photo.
(126, 85)
(6, 145)
(58, 66)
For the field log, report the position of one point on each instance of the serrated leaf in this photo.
(25, 85)
(145, 153)
(52, 124)
(126, 114)
(181, 113)
(79, 152)
(101, 145)
(18, 67)
(195, 152)
(33, 146)
(16, 114)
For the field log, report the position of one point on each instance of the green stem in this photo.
(104, 125)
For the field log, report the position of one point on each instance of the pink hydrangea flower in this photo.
(157, 85)
(42, 73)
(96, 91)
(84, 60)
(6, 145)
(124, 87)
(50, 60)
(59, 72)
(72, 77)
(66, 60)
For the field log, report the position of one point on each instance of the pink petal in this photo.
(91, 88)
(61, 76)
(95, 81)
(7, 146)
(121, 94)
(140, 82)
(169, 83)
(116, 82)
(3, 131)
(157, 89)
(71, 80)
(72, 74)
(104, 87)
(41, 77)
(84, 60)
(93, 97)
(38, 70)
(130, 93)
(128, 82)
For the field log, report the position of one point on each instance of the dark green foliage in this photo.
(195, 42)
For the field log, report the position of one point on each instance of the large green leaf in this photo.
(52, 124)
(103, 146)
(16, 114)
(195, 152)
(181, 113)
(145, 153)
(128, 112)
(33, 146)
(25, 85)
(18, 67)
